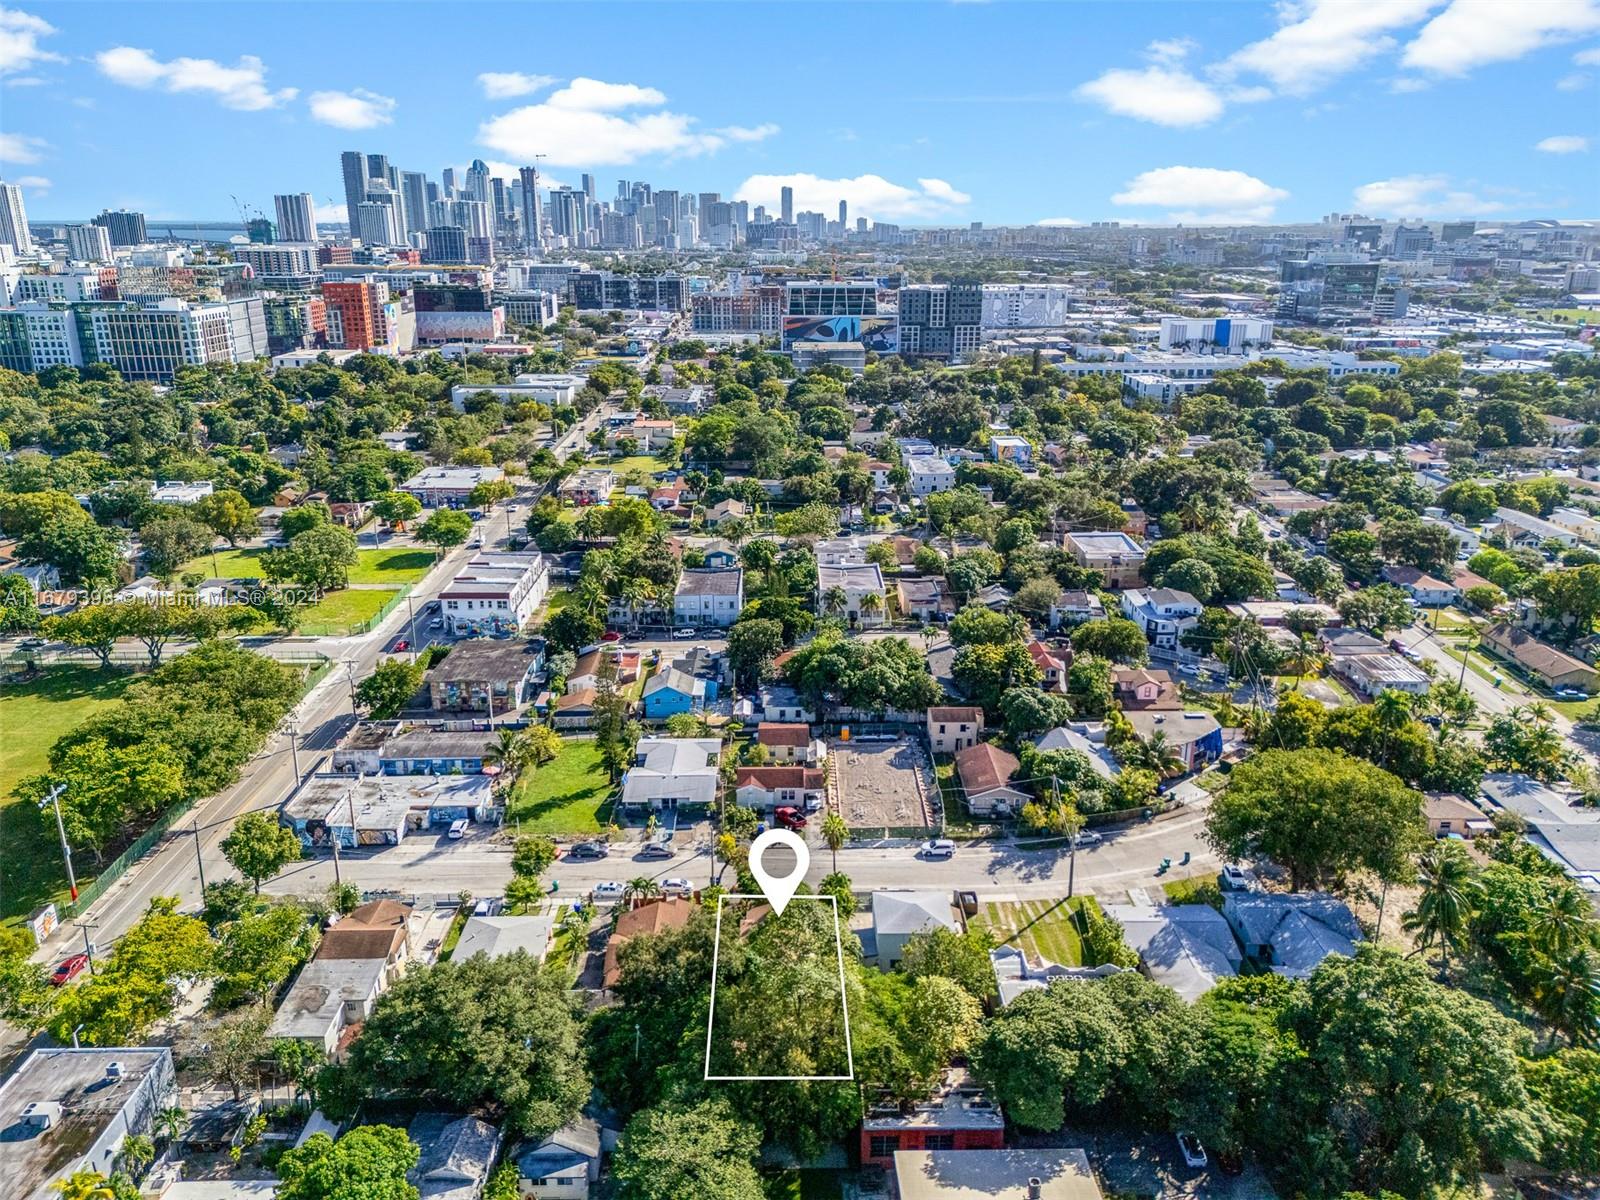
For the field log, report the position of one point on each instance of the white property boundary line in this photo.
(844, 1000)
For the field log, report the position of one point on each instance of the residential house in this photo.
(647, 434)
(1527, 530)
(1385, 671)
(671, 773)
(929, 474)
(671, 691)
(496, 937)
(1164, 614)
(1186, 947)
(925, 599)
(958, 1116)
(1145, 689)
(985, 772)
(328, 1001)
(645, 918)
(1118, 558)
(1074, 608)
(954, 729)
(726, 510)
(495, 593)
(842, 551)
(1576, 522)
(1450, 815)
(708, 596)
(1088, 738)
(492, 677)
(1009, 448)
(575, 710)
(1550, 665)
(1422, 587)
(433, 752)
(897, 917)
(770, 787)
(1134, 518)
(181, 492)
(624, 666)
(1348, 643)
(457, 1155)
(781, 704)
(1194, 736)
(671, 496)
(789, 743)
(1014, 973)
(1278, 614)
(584, 488)
(1053, 1174)
(1052, 664)
(854, 591)
(378, 929)
(719, 554)
(563, 1166)
(1290, 933)
(448, 487)
(65, 1109)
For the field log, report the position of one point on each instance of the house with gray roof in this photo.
(709, 596)
(1290, 933)
(457, 1155)
(565, 1164)
(897, 917)
(1186, 947)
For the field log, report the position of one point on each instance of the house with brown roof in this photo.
(770, 787)
(1449, 814)
(1052, 666)
(1549, 664)
(925, 598)
(648, 917)
(985, 772)
(954, 729)
(575, 710)
(1422, 587)
(1143, 689)
(788, 744)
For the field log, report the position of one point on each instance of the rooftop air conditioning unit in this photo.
(42, 1114)
(114, 1071)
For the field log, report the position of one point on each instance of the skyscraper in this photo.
(126, 228)
(14, 220)
(85, 243)
(532, 222)
(354, 165)
(449, 177)
(787, 206)
(478, 181)
(414, 191)
(297, 217)
(588, 186)
(378, 168)
(844, 216)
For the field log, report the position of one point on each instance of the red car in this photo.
(69, 969)
(789, 818)
(401, 646)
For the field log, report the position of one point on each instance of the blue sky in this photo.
(1008, 113)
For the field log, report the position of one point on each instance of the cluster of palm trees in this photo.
(835, 601)
(1560, 938)
(1527, 740)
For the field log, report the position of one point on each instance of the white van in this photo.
(938, 848)
(458, 829)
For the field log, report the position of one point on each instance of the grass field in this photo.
(341, 613)
(1572, 316)
(648, 463)
(1041, 928)
(569, 795)
(397, 565)
(804, 1184)
(32, 716)
(1201, 889)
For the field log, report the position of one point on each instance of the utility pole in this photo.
(54, 797)
(411, 625)
(337, 877)
(350, 674)
(88, 946)
(292, 728)
(198, 861)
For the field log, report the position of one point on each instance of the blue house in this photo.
(672, 691)
(434, 752)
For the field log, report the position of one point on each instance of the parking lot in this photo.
(883, 785)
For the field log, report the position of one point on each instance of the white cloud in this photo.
(242, 86)
(867, 195)
(1409, 83)
(1471, 33)
(355, 109)
(1324, 38)
(1575, 82)
(331, 214)
(594, 123)
(1564, 143)
(501, 85)
(21, 148)
(24, 81)
(1059, 221)
(1162, 95)
(19, 41)
(1588, 58)
(1422, 196)
(1170, 50)
(37, 184)
(1203, 195)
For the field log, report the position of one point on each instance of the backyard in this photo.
(1042, 929)
(648, 463)
(32, 716)
(567, 796)
(396, 564)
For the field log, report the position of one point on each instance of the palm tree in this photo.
(508, 751)
(834, 600)
(872, 602)
(1567, 995)
(84, 1185)
(1561, 920)
(170, 1123)
(137, 1153)
(835, 832)
(1157, 754)
(640, 887)
(1450, 890)
(1393, 710)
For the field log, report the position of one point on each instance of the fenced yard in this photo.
(571, 795)
(1044, 929)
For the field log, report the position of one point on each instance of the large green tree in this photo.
(259, 846)
(672, 1153)
(368, 1163)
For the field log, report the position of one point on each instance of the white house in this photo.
(496, 592)
(1165, 614)
(708, 596)
(953, 729)
(1422, 587)
(928, 474)
(671, 773)
(897, 917)
(1074, 608)
(856, 581)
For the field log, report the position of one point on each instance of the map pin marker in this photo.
(779, 890)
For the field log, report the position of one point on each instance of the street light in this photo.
(54, 797)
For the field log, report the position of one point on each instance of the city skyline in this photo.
(1415, 109)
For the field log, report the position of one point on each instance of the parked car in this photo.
(789, 817)
(937, 848)
(1564, 693)
(1235, 878)
(458, 829)
(69, 969)
(589, 850)
(654, 850)
(683, 635)
(609, 890)
(1086, 837)
(1194, 1154)
(400, 646)
(484, 908)
(676, 886)
(32, 643)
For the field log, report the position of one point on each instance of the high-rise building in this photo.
(448, 175)
(414, 193)
(378, 168)
(569, 215)
(260, 231)
(1319, 291)
(287, 265)
(353, 164)
(85, 243)
(532, 218)
(786, 208)
(588, 185)
(478, 181)
(297, 217)
(14, 220)
(447, 244)
(844, 216)
(350, 308)
(126, 228)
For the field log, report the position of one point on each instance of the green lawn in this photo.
(569, 795)
(1041, 928)
(340, 613)
(804, 1184)
(1572, 316)
(1201, 889)
(648, 463)
(32, 716)
(396, 564)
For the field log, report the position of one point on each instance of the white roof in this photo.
(1187, 947)
(911, 912)
(495, 937)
